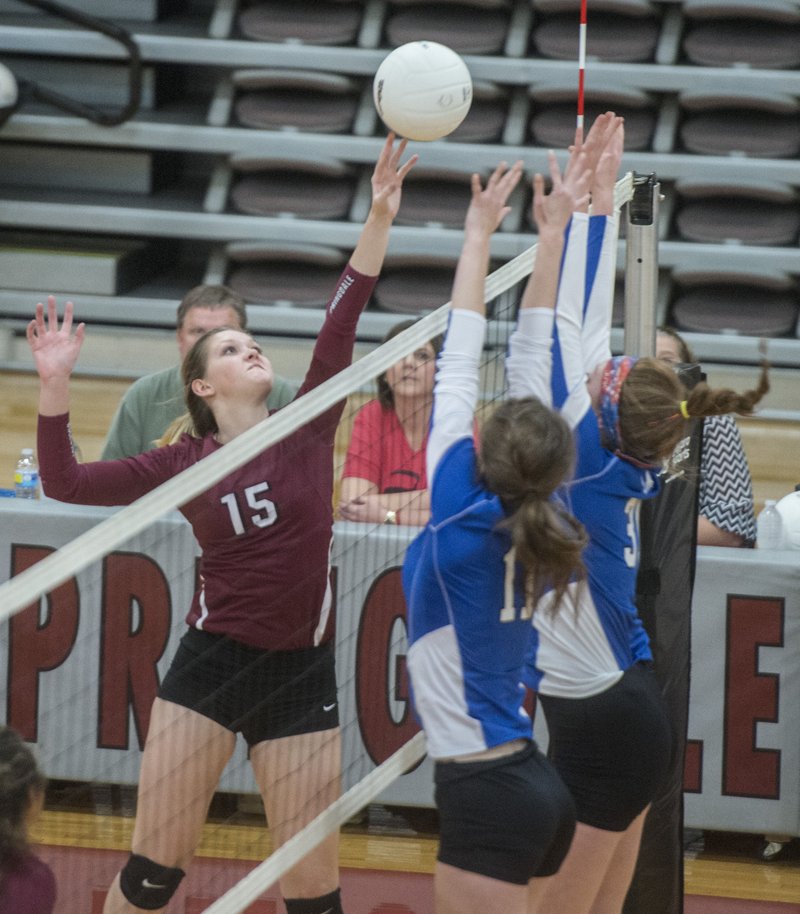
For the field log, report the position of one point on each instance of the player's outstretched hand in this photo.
(388, 177)
(55, 349)
(602, 154)
(568, 193)
(606, 169)
(488, 206)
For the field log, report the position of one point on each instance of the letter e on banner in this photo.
(750, 697)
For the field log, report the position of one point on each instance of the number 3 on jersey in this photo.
(632, 529)
(265, 513)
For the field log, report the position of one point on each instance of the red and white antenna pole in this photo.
(581, 64)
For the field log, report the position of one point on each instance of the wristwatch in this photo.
(391, 518)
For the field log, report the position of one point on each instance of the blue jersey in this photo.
(597, 634)
(468, 622)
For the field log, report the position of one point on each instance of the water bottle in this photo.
(769, 524)
(26, 476)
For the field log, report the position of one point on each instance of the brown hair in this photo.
(654, 407)
(527, 451)
(385, 393)
(214, 297)
(686, 354)
(199, 421)
(20, 780)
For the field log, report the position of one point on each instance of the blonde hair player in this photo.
(257, 657)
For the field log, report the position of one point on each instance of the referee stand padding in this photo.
(664, 600)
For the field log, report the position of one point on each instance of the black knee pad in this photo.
(147, 884)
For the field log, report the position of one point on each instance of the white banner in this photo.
(79, 671)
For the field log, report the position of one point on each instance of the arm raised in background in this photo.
(529, 361)
(456, 389)
(55, 351)
(605, 145)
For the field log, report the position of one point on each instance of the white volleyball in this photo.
(9, 93)
(422, 90)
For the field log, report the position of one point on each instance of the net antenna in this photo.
(581, 65)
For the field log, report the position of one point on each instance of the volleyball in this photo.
(9, 93)
(422, 90)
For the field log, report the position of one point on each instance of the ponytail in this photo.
(655, 407)
(703, 400)
(527, 451)
(183, 425)
(548, 543)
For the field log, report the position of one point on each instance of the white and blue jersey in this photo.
(596, 634)
(468, 623)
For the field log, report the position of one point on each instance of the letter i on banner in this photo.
(581, 64)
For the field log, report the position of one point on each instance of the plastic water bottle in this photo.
(769, 534)
(26, 476)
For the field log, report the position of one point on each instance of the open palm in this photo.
(55, 349)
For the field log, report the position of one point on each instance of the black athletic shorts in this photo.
(509, 818)
(613, 750)
(260, 694)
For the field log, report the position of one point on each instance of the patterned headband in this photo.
(614, 374)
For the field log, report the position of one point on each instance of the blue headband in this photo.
(614, 374)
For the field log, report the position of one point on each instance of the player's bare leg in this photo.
(182, 762)
(299, 777)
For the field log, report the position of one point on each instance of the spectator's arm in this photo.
(709, 534)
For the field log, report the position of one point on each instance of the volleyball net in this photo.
(89, 623)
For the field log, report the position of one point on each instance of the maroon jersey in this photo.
(265, 530)
(27, 886)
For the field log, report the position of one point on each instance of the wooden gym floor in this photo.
(387, 863)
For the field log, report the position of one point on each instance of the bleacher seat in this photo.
(304, 188)
(296, 99)
(487, 115)
(754, 33)
(621, 30)
(435, 196)
(300, 275)
(319, 22)
(413, 285)
(218, 151)
(750, 124)
(466, 27)
(725, 211)
(553, 114)
(750, 304)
